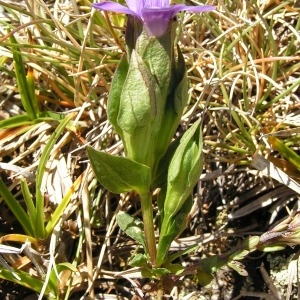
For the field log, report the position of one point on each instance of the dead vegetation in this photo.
(243, 63)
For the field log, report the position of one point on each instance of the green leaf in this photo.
(155, 273)
(16, 209)
(183, 159)
(172, 227)
(204, 278)
(180, 253)
(116, 92)
(66, 266)
(272, 248)
(250, 243)
(54, 281)
(183, 173)
(119, 174)
(208, 266)
(137, 103)
(239, 254)
(133, 227)
(50, 116)
(184, 170)
(158, 53)
(175, 269)
(161, 176)
(139, 260)
(237, 266)
(175, 103)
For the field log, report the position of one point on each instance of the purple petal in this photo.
(155, 14)
(156, 3)
(181, 7)
(156, 20)
(136, 6)
(115, 7)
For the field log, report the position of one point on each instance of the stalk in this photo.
(147, 212)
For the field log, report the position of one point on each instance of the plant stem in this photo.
(147, 212)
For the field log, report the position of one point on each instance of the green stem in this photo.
(147, 211)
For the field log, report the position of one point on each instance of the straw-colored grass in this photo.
(243, 62)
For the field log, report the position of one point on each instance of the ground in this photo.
(243, 65)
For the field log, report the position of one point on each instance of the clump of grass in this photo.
(243, 64)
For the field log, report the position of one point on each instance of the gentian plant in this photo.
(148, 94)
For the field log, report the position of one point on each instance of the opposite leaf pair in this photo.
(179, 171)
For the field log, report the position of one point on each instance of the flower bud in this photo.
(184, 170)
(148, 94)
(183, 173)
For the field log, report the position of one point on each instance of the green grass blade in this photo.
(16, 209)
(31, 89)
(15, 121)
(27, 281)
(40, 226)
(29, 202)
(60, 208)
(28, 98)
(287, 152)
(288, 91)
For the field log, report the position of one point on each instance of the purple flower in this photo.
(155, 14)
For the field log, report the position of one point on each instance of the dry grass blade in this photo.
(243, 63)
